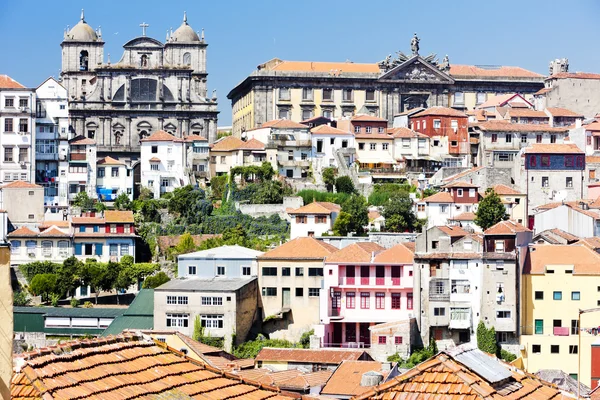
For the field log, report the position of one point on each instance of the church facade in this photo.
(300, 90)
(154, 86)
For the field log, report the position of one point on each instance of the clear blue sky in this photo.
(243, 34)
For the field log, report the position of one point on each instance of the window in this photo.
(154, 149)
(569, 161)
(481, 97)
(494, 138)
(328, 94)
(307, 94)
(453, 143)
(569, 182)
(301, 219)
(113, 250)
(368, 129)
(437, 124)
(8, 154)
(508, 138)
(350, 299)
(554, 349)
(545, 181)
(269, 291)
(8, 125)
(435, 244)
(406, 143)
(171, 299)
(552, 138)
(191, 270)
(502, 337)
(299, 292)
(370, 95)
(573, 349)
(372, 146)
(9, 102)
(315, 272)
(220, 270)
(113, 228)
(539, 295)
(536, 348)
(364, 300)
(284, 93)
(211, 301)
(384, 146)
(15, 246)
(380, 300)
(459, 192)
(499, 246)
(300, 271)
(153, 167)
(313, 292)
(211, 321)
(114, 172)
(286, 271)
(182, 300)
(545, 161)
(523, 138)
(320, 219)
(361, 146)
(575, 296)
(502, 314)
(538, 138)
(443, 208)
(23, 125)
(381, 130)
(396, 301)
(269, 271)
(347, 95)
(307, 114)
(422, 143)
(421, 207)
(459, 98)
(284, 113)
(397, 340)
(177, 320)
(101, 172)
(439, 311)
(574, 327)
(557, 296)
(382, 339)
(246, 271)
(357, 129)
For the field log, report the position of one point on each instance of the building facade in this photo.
(114, 178)
(314, 219)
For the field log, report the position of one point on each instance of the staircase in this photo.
(343, 169)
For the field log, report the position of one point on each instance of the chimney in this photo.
(6, 316)
(371, 378)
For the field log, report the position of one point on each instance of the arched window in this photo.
(15, 246)
(187, 59)
(83, 60)
(47, 248)
(144, 61)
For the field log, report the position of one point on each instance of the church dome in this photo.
(185, 33)
(82, 32)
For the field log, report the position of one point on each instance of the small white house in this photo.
(114, 178)
(313, 219)
(326, 141)
(162, 162)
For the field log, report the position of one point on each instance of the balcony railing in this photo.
(439, 296)
(368, 281)
(379, 281)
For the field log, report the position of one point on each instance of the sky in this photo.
(244, 34)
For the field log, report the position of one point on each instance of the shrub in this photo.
(305, 339)
(20, 299)
(251, 348)
(154, 281)
(74, 302)
(344, 184)
(507, 356)
(88, 304)
(54, 299)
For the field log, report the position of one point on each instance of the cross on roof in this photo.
(144, 26)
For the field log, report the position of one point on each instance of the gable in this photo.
(416, 69)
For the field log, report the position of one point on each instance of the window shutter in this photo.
(78, 247)
(98, 249)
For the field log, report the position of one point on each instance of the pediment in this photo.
(144, 42)
(417, 69)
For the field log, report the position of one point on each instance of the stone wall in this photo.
(266, 210)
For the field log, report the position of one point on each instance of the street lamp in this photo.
(589, 310)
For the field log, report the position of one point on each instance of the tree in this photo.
(344, 184)
(99, 207)
(83, 201)
(490, 211)
(269, 192)
(145, 194)
(305, 339)
(429, 192)
(32, 269)
(68, 278)
(198, 331)
(329, 178)
(186, 244)
(486, 339)
(218, 185)
(236, 235)
(182, 199)
(399, 214)
(93, 274)
(356, 206)
(341, 226)
(122, 202)
(155, 281)
(43, 285)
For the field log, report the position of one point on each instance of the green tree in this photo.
(270, 192)
(341, 226)
(83, 201)
(145, 194)
(356, 206)
(329, 178)
(236, 235)
(20, 299)
(122, 202)
(99, 207)
(154, 281)
(43, 285)
(68, 278)
(186, 244)
(429, 192)
(32, 269)
(399, 214)
(486, 339)
(490, 211)
(183, 198)
(93, 274)
(218, 186)
(305, 339)
(198, 331)
(344, 184)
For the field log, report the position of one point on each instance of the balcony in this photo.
(373, 281)
(294, 163)
(275, 143)
(335, 313)
(460, 318)
(78, 157)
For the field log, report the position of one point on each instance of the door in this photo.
(286, 298)
(337, 335)
(365, 334)
(350, 273)
(289, 173)
(364, 275)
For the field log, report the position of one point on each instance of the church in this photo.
(154, 86)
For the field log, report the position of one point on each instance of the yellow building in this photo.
(558, 280)
(514, 202)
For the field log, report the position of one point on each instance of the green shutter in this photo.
(539, 326)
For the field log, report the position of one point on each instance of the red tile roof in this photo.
(501, 71)
(110, 161)
(398, 254)
(87, 220)
(194, 138)
(555, 148)
(405, 133)
(453, 231)
(361, 252)
(439, 111)
(526, 113)
(574, 75)
(501, 100)
(328, 130)
(59, 223)
(367, 118)
(463, 373)
(125, 367)
(461, 174)
(440, 197)
(563, 112)
(23, 231)
(161, 136)
(593, 127)
(6, 82)
(311, 356)
(291, 379)
(53, 232)
(326, 67)
(374, 136)
(346, 380)
(316, 208)
(506, 126)
(111, 216)
(21, 185)
(585, 261)
(506, 228)
(460, 184)
(231, 143)
(466, 216)
(283, 124)
(252, 144)
(82, 140)
(301, 248)
(505, 190)
(154, 159)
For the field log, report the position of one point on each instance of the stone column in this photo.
(129, 141)
(212, 131)
(179, 128)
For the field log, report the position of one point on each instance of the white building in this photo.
(197, 156)
(17, 120)
(81, 175)
(459, 199)
(45, 243)
(162, 163)
(313, 219)
(51, 146)
(114, 177)
(575, 218)
(230, 151)
(326, 142)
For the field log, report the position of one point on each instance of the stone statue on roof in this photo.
(414, 44)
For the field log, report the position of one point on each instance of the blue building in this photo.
(225, 261)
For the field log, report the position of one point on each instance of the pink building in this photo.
(365, 284)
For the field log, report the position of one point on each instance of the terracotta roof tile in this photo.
(346, 379)
(574, 75)
(526, 113)
(377, 136)
(555, 148)
(53, 232)
(361, 252)
(593, 127)
(161, 136)
(504, 190)
(506, 126)
(227, 143)
(6, 82)
(503, 71)
(326, 67)
(311, 356)
(118, 216)
(466, 216)
(283, 124)
(154, 159)
(316, 208)
(252, 144)
(410, 111)
(292, 379)
(87, 220)
(328, 130)
(58, 223)
(22, 231)
(195, 138)
(21, 185)
(410, 245)
(591, 242)
(506, 228)
(592, 159)
(565, 235)
(398, 254)
(439, 111)
(440, 197)
(122, 367)
(405, 133)
(82, 140)
(462, 174)
(110, 161)
(460, 184)
(301, 248)
(563, 112)
(367, 118)
(501, 100)
(584, 260)
(453, 231)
